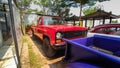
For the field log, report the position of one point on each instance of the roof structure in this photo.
(72, 18)
(100, 14)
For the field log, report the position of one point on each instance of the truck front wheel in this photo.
(48, 50)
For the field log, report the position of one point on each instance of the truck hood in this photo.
(65, 27)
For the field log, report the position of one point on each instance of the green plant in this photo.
(90, 10)
(12, 44)
(24, 39)
(28, 26)
(33, 58)
(115, 21)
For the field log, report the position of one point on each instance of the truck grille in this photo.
(72, 34)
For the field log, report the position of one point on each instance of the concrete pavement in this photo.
(7, 55)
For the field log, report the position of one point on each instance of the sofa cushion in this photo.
(117, 53)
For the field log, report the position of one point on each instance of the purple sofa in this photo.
(98, 50)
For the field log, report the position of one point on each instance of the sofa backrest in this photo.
(107, 42)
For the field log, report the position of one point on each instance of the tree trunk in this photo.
(22, 22)
(80, 14)
(21, 17)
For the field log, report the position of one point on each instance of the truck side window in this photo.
(39, 21)
(48, 21)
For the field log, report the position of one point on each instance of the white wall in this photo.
(30, 18)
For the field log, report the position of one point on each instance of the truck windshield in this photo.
(53, 21)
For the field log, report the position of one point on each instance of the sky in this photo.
(112, 5)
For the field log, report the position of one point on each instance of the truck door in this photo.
(39, 29)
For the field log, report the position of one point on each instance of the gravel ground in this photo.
(45, 63)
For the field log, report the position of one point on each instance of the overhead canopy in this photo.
(100, 14)
(73, 18)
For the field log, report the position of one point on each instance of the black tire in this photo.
(47, 49)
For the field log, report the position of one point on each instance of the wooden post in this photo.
(85, 22)
(74, 22)
(110, 20)
(93, 22)
(103, 20)
(82, 22)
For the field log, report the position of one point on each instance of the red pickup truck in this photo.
(51, 30)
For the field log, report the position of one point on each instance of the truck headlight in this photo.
(58, 35)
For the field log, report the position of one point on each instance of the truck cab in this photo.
(51, 30)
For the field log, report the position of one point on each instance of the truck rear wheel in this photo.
(48, 50)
